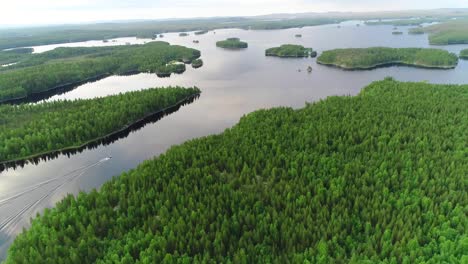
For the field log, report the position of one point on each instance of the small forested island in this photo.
(32, 130)
(464, 54)
(290, 51)
(375, 178)
(232, 43)
(416, 31)
(183, 34)
(201, 32)
(60, 67)
(197, 63)
(397, 33)
(370, 58)
(298, 35)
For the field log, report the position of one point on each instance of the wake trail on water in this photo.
(38, 185)
(13, 220)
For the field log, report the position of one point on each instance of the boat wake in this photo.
(8, 224)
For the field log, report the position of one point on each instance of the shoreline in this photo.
(387, 64)
(127, 128)
(58, 87)
(35, 97)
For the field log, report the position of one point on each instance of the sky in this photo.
(35, 12)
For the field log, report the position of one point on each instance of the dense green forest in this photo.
(290, 50)
(375, 178)
(13, 56)
(66, 66)
(450, 32)
(232, 43)
(464, 54)
(368, 58)
(27, 130)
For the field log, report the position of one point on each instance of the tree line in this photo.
(31, 129)
(367, 58)
(66, 66)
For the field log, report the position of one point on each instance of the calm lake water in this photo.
(233, 83)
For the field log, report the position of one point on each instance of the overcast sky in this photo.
(17, 12)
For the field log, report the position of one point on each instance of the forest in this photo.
(13, 56)
(447, 33)
(65, 66)
(375, 178)
(369, 58)
(464, 54)
(30, 129)
(290, 50)
(407, 22)
(416, 31)
(232, 43)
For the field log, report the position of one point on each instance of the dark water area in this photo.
(233, 83)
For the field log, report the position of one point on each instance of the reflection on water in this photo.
(233, 83)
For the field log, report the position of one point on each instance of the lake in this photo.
(233, 83)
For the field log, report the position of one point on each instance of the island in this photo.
(201, 32)
(28, 131)
(291, 51)
(298, 35)
(397, 33)
(197, 63)
(416, 31)
(447, 33)
(464, 54)
(370, 58)
(64, 67)
(183, 34)
(375, 178)
(232, 43)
